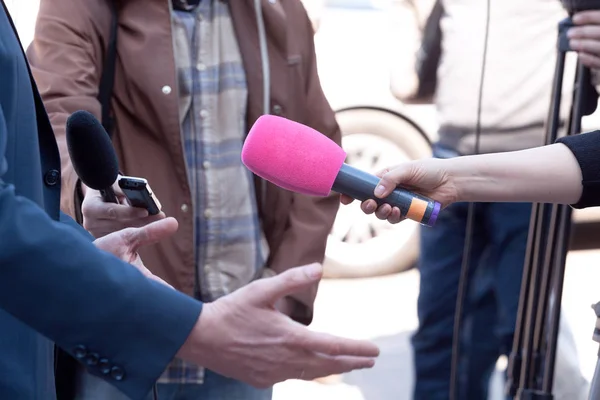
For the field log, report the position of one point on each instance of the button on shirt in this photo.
(230, 249)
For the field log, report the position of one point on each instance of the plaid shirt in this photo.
(230, 245)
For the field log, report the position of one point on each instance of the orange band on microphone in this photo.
(417, 209)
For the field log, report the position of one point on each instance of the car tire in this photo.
(360, 245)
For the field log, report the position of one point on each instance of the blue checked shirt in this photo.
(230, 245)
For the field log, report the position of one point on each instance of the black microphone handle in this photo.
(360, 185)
(109, 196)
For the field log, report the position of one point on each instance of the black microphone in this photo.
(92, 154)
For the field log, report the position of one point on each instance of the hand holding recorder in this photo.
(101, 218)
(111, 201)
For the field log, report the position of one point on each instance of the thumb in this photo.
(154, 232)
(289, 282)
(392, 178)
(120, 194)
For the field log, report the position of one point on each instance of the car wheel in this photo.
(361, 245)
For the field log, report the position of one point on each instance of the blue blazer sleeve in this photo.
(87, 301)
(65, 219)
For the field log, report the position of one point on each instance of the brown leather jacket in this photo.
(66, 57)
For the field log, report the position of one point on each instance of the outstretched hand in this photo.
(243, 336)
(426, 177)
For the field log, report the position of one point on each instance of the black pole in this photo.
(532, 361)
(534, 348)
(564, 230)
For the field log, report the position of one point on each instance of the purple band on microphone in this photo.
(434, 214)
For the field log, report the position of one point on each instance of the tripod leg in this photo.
(595, 386)
(564, 229)
(544, 295)
(523, 383)
(562, 245)
(530, 360)
(515, 358)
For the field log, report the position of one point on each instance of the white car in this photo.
(365, 53)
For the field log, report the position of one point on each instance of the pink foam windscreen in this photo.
(292, 156)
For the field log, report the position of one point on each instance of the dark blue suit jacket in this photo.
(55, 286)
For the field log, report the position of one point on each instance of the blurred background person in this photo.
(191, 77)
(519, 68)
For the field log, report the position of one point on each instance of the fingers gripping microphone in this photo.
(298, 158)
(92, 154)
(573, 6)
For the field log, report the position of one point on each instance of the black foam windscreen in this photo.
(91, 151)
(573, 6)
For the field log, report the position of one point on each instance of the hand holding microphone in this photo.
(298, 158)
(105, 208)
(584, 38)
(424, 176)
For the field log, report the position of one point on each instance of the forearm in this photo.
(549, 174)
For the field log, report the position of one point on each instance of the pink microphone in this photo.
(298, 158)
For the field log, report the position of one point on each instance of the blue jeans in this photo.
(215, 387)
(490, 310)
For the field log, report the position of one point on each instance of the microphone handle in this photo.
(109, 196)
(360, 185)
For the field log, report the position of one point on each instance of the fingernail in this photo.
(368, 364)
(369, 207)
(379, 190)
(314, 271)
